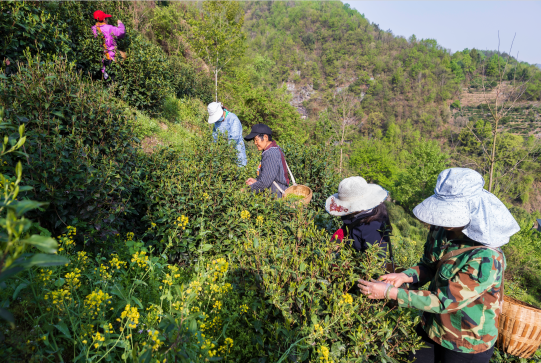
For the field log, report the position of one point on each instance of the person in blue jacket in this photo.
(227, 123)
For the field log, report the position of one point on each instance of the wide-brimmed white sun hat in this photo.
(215, 111)
(459, 200)
(355, 195)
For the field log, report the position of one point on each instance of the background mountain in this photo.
(412, 87)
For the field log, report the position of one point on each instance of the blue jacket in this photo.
(231, 125)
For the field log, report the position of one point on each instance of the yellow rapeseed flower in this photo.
(140, 259)
(245, 214)
(346, 299)
(94, 300)
(132, 315)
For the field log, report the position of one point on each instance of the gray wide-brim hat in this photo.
(459, 200)
(355, 195)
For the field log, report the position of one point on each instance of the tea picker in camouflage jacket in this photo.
(464, 299)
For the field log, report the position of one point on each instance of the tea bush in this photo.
(408, 236)
(143, 79)
(81, 150)
(313, 286)
(16, 239)
(204, 182)
(523, 254)
(185, 111)
(285, 296)
(27, 27)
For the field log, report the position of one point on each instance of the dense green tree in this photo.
(217, 36)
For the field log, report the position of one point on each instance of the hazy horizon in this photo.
(457, 25)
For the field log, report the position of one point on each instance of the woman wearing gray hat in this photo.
(227, 123)
(464, 264)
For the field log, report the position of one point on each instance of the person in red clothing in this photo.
(109, 33)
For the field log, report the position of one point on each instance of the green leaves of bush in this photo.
(80, 146)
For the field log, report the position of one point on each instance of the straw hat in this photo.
(355, 195)
(459, 200)
(215, 111)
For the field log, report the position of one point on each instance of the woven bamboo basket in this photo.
(301, 190)
(519, 331)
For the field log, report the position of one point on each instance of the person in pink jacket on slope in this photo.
(108, 32)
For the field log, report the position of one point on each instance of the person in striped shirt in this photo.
(272, 171)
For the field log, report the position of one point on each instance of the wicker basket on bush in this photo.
(301, 190)
(519, 331)
(296, 189)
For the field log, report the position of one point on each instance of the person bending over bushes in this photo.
(463, 262)
(272, 171)
(227, 123)
(364, 216)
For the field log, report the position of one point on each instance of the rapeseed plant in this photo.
(131, 315)
(245, 214)
(140, 259)
(95, 301)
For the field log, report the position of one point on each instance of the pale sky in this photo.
(463, 24)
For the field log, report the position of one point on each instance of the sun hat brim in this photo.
(373, 197)
(216, 115)
(442, 213)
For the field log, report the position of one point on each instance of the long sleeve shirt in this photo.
(232, 127)
(463, 302)
(271, 169)
(108, 32)
(364, 235)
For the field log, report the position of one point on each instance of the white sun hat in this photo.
(355, 195)
(215, 111)
(459, 200)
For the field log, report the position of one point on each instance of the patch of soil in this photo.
(163, 126)
(149, 143)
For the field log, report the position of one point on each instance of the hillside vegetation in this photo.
(399, 86)
(145, 245)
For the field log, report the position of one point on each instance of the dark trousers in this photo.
(435, 353)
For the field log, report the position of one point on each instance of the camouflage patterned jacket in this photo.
(462, 304)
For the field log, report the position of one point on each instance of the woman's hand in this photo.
(396, 279)
(373, 289)
(250, 181)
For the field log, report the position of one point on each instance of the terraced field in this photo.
(524, 118)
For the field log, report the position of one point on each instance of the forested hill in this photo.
(413, 88)
(323, 46)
